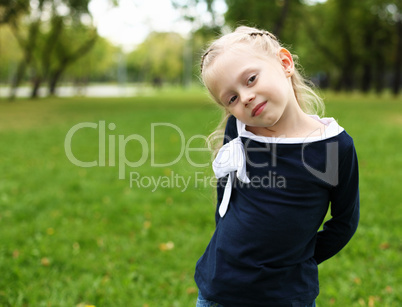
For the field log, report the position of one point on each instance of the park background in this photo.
(80, 236)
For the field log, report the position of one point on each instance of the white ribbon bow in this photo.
(231, 157)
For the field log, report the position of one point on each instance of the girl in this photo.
(279, 169)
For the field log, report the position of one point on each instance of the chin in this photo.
(268, 122)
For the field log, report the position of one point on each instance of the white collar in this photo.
(332, 129)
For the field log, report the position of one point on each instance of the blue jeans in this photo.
(202, 302)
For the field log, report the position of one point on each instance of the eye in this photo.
(232, 99)
(251, 79)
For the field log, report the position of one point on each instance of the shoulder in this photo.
(231, 123)
(345, 143)
(347, 155)
(231, 129)
(335, 133)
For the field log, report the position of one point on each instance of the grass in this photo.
(74, 236)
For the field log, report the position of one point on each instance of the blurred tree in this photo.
(10, 54)
(99, 64)
(159, 57)
(280, 16)
(358, 41)
(52, 35)
(201, 15)
(200, 39)
(395, 10)
(376, 29)
(73, 43)
(27, 45)
(331, 27)
(189, 12)
(11, 9)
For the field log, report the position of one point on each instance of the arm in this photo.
(345, 205)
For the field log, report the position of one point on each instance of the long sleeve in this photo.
(345, 206)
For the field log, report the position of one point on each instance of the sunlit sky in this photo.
(128, 24)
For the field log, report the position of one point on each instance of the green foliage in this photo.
(352, 41)
(200, 40)
(9, 54)
(73, 236)
(11, 9)
(163, 55)
(51, 36)
(99, 64)
(281, 17)
(159, 56)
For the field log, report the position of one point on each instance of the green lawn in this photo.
(76, 236)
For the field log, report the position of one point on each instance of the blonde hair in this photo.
(261, 43)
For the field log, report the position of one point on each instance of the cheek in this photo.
(279, 88)
(274, 90)
(236, 112)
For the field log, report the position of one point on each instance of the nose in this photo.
(247, 97)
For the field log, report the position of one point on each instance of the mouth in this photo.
(258, 109)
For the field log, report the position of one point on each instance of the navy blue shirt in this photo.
(266, 248)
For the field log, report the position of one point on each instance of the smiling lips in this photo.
(258, 109)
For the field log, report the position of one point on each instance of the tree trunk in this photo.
(367, 62)
(281, 21)
(27, 47)
(35, 87)
(396, 86)
(379, 73)
(57, 28)
(53, 80)
(17, 79)
(349, 63)
(348, 78)
(330, 55)
(56, 74)
(366, 77)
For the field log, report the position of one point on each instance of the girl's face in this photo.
(256, 90)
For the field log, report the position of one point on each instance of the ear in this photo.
(287, 63)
